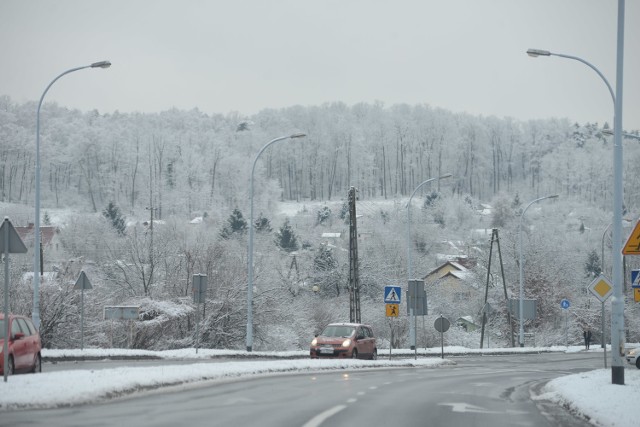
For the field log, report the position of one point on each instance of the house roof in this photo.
(334, 235)
(454, 264)
(47, 233)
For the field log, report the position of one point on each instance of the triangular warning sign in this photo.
(632, 247)
(8, 232)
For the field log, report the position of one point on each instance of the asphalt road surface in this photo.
(478, 391)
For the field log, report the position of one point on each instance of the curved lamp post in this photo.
(412, 327)
(624, 134)
(617, 302)
(521, 303)
(36, 242)
(250, 250)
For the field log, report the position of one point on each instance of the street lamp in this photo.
(36, 242)
(521, 303)
(412, 327)
(250, 256)
(617, 302)
(625, 134)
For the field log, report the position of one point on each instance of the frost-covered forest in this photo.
(143, 201)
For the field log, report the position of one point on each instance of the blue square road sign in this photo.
(392, 294)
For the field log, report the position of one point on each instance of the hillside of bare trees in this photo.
(104, 176)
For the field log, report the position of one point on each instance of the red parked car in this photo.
(24, 345)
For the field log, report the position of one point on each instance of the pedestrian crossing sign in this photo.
(392, 294)
(635, 279)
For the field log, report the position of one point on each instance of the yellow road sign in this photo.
(392, 310)
(636, 294)
(601, 287)
(632, 247)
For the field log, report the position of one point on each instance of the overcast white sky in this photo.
(246, 55)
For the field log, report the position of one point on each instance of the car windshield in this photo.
(338, 331)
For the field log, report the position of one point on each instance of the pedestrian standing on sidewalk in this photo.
(587, 338)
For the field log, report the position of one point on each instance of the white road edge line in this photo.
(321, 417)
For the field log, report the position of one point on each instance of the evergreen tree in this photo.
(286, 238)
(262, 224)
(46, 219)
(323, 215)
(515, 205)
(236, 224)
(592, 267)
(501, 213)
(431, 199)
(113, 214)
(326, 273)
(171, 175)
(344, 212)
(324, 260)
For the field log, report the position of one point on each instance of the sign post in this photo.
(10, 243)
(199, 295)
(442, 325)
(392, 299)
(602, 288)
(123, 312)
(565, 307)
(82, 283)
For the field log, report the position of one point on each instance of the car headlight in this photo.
(314, 342)
(346, 343)
(633, 352)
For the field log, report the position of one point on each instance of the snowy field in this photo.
(589, 394)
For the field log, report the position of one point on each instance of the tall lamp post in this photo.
(412, 327)
(249, 340)
(521, 302)
(36, 242)
(617, 302)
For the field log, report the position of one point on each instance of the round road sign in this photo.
(442, 324)
(564, 303)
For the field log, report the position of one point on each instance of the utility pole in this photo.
(496, 239)
(354, 279)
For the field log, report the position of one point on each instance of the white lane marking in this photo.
(465, 407)
(373, 387)
(361, 393)
(352, 400)
(322, 416)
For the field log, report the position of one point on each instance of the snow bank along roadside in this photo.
(190, 353)
(592, 395)
(51, 389)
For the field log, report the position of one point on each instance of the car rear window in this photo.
(338, 331)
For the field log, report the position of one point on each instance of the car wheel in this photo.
(37, 365)
(354, 354)
(638, 362)
(12, 366)
(374, 355)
